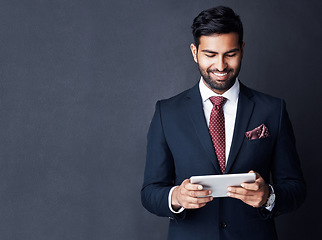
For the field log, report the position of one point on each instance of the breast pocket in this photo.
(259, 142)
(258, 152)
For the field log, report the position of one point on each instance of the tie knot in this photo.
(218, 101)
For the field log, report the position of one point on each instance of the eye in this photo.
(210, 56)
(231, 55)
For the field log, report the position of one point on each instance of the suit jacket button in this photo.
(223, 225)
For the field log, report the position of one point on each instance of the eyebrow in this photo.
(213, 52)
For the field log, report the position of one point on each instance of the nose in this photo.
(221, 64)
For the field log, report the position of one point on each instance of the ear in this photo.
(242, 49)
(194, 52)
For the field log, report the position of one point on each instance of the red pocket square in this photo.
(257, 133)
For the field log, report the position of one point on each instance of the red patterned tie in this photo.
(217, 129)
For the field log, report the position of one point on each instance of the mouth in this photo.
(220, 74)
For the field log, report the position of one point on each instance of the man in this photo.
(220, 126)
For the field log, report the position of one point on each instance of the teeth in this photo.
(220, 74)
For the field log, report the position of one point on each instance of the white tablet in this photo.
(219, 183)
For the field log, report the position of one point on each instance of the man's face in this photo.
(219, 59)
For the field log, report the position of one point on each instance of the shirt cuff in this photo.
(169, 202)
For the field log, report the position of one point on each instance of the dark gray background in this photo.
(78, 84)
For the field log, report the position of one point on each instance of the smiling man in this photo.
(220, 126)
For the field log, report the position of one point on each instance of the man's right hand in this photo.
(189, 196)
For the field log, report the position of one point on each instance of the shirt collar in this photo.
(231, 94)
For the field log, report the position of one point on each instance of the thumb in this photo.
(257, 174)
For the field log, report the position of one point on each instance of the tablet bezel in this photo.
(219, 183)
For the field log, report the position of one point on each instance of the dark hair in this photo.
(217, 20)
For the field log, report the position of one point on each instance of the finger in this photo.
(194, 206)
(248, 199)
(259, 178)
(190, 202)
(200, 193)
(185, 182)
(192, 186)
(257, 174)
(194, 194)
(251, 186)
(242, 197)
(260, 181)
(252, 198)
(185, 187)
(238, 190)
(198, 200)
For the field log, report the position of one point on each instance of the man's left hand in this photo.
(254, 194)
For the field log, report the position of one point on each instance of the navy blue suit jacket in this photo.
(179, 146)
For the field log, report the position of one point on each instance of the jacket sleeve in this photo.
(159, 170)
(287, 177)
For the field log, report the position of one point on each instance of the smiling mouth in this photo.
(220, 74)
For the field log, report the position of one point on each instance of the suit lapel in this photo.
(194, 108)
(244, 112)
